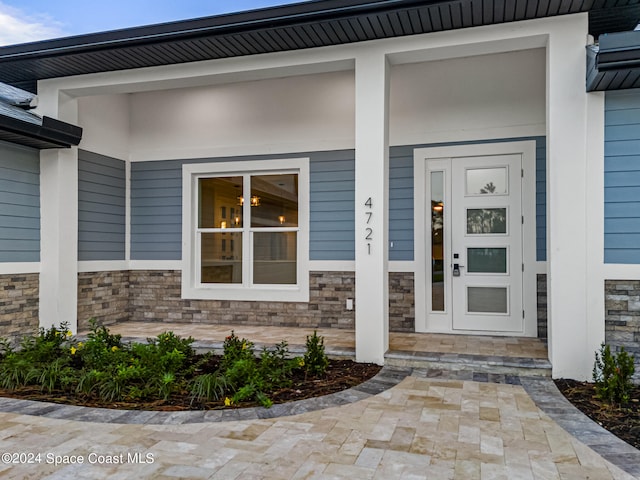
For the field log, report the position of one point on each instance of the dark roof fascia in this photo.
(272, 17)
(614, 64)
(51, 134)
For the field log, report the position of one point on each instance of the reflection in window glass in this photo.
(437, 241)
(218, 202)
(487, 181)
(486, 220)
(487, 260)
(274, 200)
(274, 258)
(221, 261)
(487, 300)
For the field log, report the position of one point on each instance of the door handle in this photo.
(456, 269)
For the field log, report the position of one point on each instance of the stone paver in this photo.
(423, 427)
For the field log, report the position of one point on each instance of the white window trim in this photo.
(191, 289)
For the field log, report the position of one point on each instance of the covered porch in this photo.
(469, 355)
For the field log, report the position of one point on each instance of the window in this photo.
(245, 230)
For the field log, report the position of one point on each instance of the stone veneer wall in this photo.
(155, 297)
(19, 303)
(402, 307)
(103, 296)
(622, 317)
(542, 305)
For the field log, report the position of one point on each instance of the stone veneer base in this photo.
(622, 317)
(155, 296)
(19, 305)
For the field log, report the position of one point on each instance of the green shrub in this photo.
(235, 349)
(168, 342)
(275, 366)
(6, 347)
(315, 360)
(56, 375)
(208, 386)
(612, 375)
(15, 371)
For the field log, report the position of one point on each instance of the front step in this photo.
(521, 366)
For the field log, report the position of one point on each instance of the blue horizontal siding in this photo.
(19, 204)
(101, 207)
(622, 177)
(332, 206)
(401, 203)
(156, 204)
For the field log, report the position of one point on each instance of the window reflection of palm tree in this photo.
(486, 220)
(488, 188)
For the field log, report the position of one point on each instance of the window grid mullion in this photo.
(247, 241)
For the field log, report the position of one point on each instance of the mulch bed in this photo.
(341, 375)
(623, 420)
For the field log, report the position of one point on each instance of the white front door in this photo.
(474, 232)
(486, 243)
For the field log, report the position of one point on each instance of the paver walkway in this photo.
(420, 428)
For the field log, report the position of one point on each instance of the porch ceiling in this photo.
(298, 26)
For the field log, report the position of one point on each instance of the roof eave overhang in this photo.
(51, 134)
(615, 63)
(290, 27)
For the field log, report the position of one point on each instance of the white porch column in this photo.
(371, 209)
(58, 220)
(574, 331)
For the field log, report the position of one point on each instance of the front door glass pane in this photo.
(486, 181)
(487, 260)
(486, 220)
(487, 300)
(437, 241)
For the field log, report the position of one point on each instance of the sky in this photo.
(24, 21)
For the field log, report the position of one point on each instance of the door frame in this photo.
(424, 322)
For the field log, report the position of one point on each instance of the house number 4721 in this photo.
(369, 230)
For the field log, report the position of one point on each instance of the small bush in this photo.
(315, 360)
(235, 349)
(612, 375)
(208, 386)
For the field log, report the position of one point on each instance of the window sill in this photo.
(294, 293)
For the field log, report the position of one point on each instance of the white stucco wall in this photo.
(310, 112)
(482, 97)
(105, 123)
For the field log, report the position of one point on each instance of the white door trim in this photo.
(422, 230)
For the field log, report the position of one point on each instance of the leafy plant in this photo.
(6, 347)
(612, 375)
(315, 359)
(15, 371)
(54, 375)
(235, 349)
(208, 386)
(169, 341)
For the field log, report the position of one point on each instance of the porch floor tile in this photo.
(339, 340)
